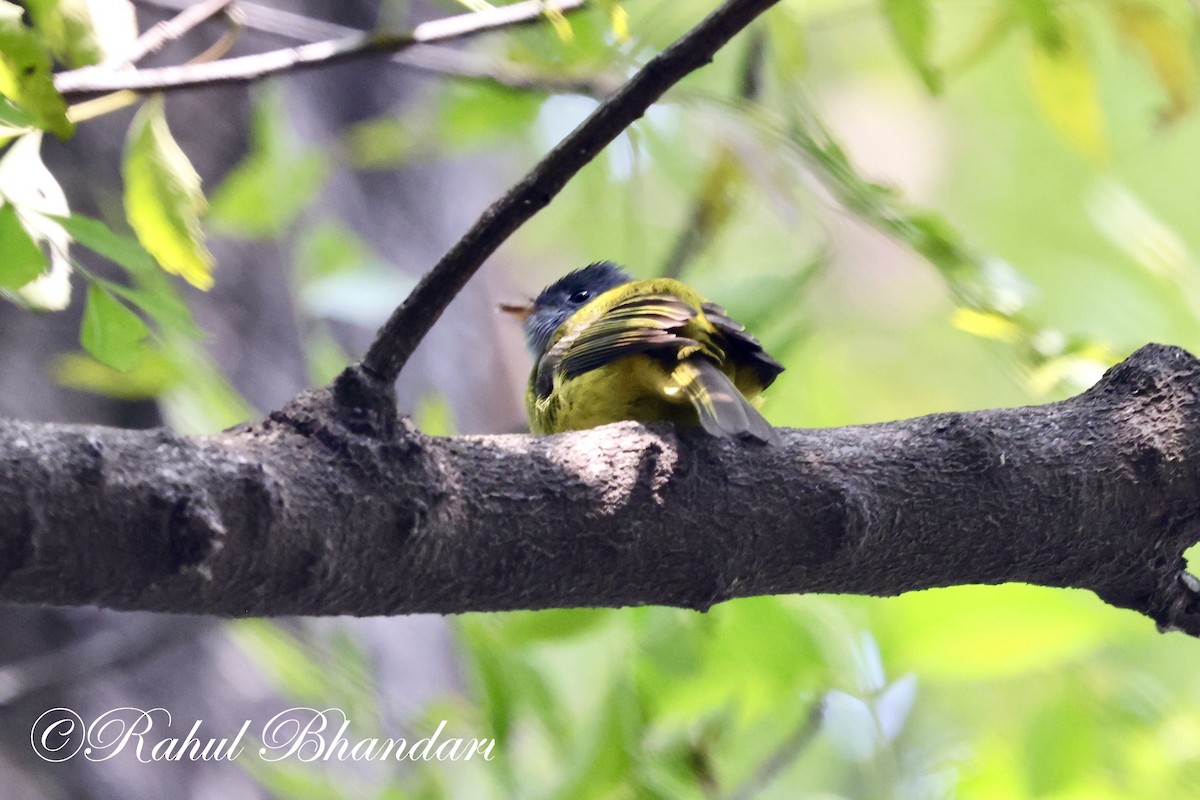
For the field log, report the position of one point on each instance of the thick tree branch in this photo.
(401, 334)
(96, 80)
(336, 506)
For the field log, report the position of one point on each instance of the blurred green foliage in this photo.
(923, 206)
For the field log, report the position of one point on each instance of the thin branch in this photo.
(166, 31)
(399, 336)
(475, 66)
(235, 25)
(92, 80)
(277, 21)
(441, 61)
(788, 751)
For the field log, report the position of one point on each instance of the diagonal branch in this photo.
(166, 31)
(443, 61)
(94, 80)
(335, 506)
(401, 334)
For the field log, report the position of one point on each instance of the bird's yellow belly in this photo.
(624, 389)
(636, 388)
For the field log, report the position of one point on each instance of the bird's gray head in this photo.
(564, 297)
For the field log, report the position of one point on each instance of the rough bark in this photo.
(336, 506)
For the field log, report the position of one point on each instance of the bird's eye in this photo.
(580, 296)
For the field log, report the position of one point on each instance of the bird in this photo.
(607, 347)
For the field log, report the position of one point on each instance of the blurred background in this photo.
(917, 205)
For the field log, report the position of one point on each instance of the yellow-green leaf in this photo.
(1042, 20)
(911, 23)
(989, 325)
(163, 200)
(148, 380)
(1164, 43)
(619, 22)
(560, 23)
(21, 260)
(25, 76)
(1065, 88)
(83, 32)
(111, 332)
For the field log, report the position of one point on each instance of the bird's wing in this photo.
(741, 346)
(721, 408)
(642, 323)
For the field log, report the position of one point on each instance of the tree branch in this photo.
(442, 61)
(401, 334)
(95, 80)
(167, 31)
(335, 506)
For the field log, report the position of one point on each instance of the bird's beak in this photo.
(521, 312)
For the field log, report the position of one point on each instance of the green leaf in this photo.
(163, 200)
(285, 659)
(1065, 88)
(21, 260)
(111, 332)
(273, 184)
(25, 74)
(95, 235)
(476, 113)
(39, 200)
(154, 293)
(14, 121)
(911, 23)
(327, 248)
(381, 143)
(67, 29)
(1041, 18)
(82, 32)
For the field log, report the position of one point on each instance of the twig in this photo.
(166, 31)
(114, 101)
(408, 325)
(480, 67)
(425, 58)
(235, 24)
(92, 80)
(787, 752)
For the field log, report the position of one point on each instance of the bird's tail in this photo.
(722, 409)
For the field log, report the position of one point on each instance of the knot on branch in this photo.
(1153, 370)
(195, 533)
(1179, 606)
(365, 403)
(358, 402)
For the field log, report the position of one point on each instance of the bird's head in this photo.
(561, 299)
